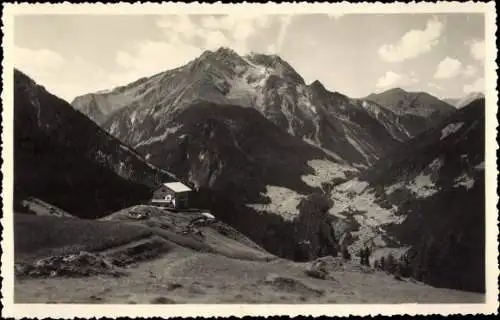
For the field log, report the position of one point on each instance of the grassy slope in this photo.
(232, 271)
(37, 237)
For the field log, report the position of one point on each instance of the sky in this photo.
(355, 54)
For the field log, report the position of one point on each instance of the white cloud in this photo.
(413, 43)
(435, 86)
(238, 29)
(413, 77)
(476, 86)
(152, 57)
(179, 47)
(285, 23)
(57, 73)
(179, 26)
(271, 49)
(448, 68)
(180, 44)
(215, 39)
(40, 62)
(393, 79)
(477, 49)
(469, 71)
(389, 79)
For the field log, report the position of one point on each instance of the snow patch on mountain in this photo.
(394, 187)
(332, 154)
(241, 92)
(423, 186)
(284, 202)
(479, 166)
(464, 181)
(133, 117)
(451, 128)
(304, 101)
(353, 186)
(161, 137)
(436, 164)
(357, 146)
(245, 86)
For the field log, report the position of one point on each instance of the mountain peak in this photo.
(316, 84)
(396, 90)
(221, 52)
(226, 51)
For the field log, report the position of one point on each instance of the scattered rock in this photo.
(95, 298)
(322, 268)
(196, 289)
(398, 277)
(73, 265)
(291, 285)
(174, 285)
(162, 300)
(318, 274)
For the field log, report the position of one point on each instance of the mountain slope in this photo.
(250, 173)
(65, 159)
(416, 111)
(427, 199)
(329, 120)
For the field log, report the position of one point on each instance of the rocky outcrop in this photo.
(83, 264)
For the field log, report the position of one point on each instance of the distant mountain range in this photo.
(417, 111)
(465, 100)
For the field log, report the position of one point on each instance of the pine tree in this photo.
(345, 254)
(382, 263)
(391, 264)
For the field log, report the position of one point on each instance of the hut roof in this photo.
(177, 186)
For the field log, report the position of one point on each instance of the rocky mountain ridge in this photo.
(357, 132)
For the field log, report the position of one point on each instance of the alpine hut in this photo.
(174, 194)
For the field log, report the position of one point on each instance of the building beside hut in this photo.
(172, 194)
